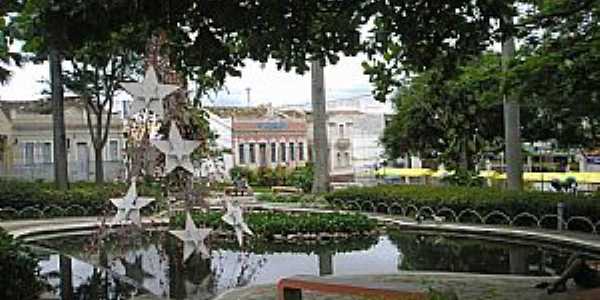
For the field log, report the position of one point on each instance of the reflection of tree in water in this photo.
(99, 285)
(438, 253)
(244, 272)
(135, 270)
(193, 278)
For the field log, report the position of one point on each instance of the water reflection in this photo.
(153, 262)
(72, 279)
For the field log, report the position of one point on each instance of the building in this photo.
(355, 127)
(26, 140)
(262, 137)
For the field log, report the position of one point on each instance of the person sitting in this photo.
(578, 270)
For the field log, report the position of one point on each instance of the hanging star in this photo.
(234, 217)
(177, 150)
(193, 239)
(128, 207)
(149, 93)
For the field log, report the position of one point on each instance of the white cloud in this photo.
(343, 80)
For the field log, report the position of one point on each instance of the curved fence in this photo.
(54, 211)
(471, 216)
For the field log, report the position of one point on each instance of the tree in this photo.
(208, 41)
(98, 68)
(53, 30)
(441, 33)
(321, 144)
(453, 120)
(6, 56)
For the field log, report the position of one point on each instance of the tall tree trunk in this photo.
(66, 278)
(512, 130)
(99, 164)
(321, 145)
(98, 147)
(58, 120)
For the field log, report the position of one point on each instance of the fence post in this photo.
(560, 212)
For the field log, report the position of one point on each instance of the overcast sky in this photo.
(344, 80)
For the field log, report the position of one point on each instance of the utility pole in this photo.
(248, 89)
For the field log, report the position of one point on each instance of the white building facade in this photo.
(26, 134)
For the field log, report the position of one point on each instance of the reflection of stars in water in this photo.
(151, 266)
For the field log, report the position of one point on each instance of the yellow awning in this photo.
(489, 174)
(404, 172)
(442, 173)
(580, 177)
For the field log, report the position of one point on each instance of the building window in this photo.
(347, 159)
(339, 159)
(46, 149)
(301, 151)
(252, 154)
(113, 150)
(242, 155)
(273, 152)
(125, 109)
(28, 153)
(282, 152)
(292, 152)
(341, 130)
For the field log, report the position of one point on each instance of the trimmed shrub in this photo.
(19, 269)
(94, 200)
(267, 224)
(483, 200)
(302, 178)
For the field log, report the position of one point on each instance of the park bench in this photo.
(285, 190)
(591, 294)
(240, 188)
(344, 185)
(235, 191)
(291, 288)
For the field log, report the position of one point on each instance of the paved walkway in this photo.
(466, 287)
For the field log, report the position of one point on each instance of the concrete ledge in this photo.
(466, 286)
(28, 229)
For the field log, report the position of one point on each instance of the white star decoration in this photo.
(128, 207)
(149, 93)
(177, 150)
(193, 239)
(234, 218)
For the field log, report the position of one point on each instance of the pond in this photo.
(151, 262)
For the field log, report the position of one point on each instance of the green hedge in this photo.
(18, 194)
(19, 269)
(483, 200)
(267, 224)
(300, 177)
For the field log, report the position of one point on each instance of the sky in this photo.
(268, 85)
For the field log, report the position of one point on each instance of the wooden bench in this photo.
(291, 288)
(285, 190)
(234, 191)
(591, 294)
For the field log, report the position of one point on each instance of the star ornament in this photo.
(148, 93)
(177, 150)
(193, 239)
(128, 207)
(234, 217)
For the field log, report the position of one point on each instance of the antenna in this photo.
(248, 89)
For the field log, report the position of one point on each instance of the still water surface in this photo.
(151, 262)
